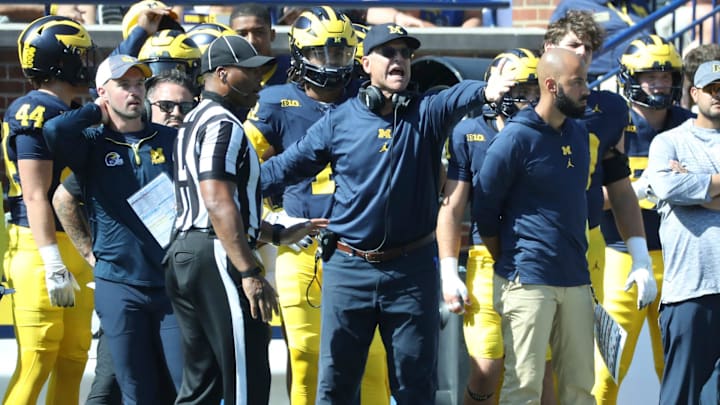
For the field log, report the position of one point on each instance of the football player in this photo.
(651, 80)
(322, 45)
(52, 306)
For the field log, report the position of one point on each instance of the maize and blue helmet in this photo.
(130, 19)
(55, 47)
(203, 34)
(171, 49)
(650, 54)
(520, 65)
(322, 47)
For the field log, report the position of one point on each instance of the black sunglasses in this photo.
(168, 107)
(390, 52)
(713, 89)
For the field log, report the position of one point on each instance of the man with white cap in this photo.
(221, 298)
(684, 172)
(113, 161)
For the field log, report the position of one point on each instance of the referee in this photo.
(221, 299)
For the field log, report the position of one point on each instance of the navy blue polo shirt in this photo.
(110, 167)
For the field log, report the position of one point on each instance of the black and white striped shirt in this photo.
(211, 144)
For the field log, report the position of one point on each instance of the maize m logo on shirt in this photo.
(567, 151)
(384, 133)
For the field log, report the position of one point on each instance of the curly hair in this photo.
(697, 56)
(579, 22)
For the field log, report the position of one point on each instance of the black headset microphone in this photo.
(233, 88)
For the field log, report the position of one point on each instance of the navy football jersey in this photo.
(281, 117)
(466, 149)
(23, 139)
(606, 117)
(278, 73)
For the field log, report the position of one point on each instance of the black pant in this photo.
(207, 297)
(105, 389)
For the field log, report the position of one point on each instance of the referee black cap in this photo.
(232, 50)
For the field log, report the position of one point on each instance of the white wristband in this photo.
(50, 254)
(637, 247)
(448, 267)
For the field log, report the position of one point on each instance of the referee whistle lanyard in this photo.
(135, 147)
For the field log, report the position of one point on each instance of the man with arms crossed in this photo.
(684, 172)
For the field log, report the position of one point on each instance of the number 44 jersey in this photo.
(22, 138)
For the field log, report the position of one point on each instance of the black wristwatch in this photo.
(250, 273)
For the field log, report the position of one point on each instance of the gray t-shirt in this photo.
(689, 233)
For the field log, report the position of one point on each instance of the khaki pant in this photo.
(532, 316)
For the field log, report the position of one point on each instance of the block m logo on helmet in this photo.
(28, 57)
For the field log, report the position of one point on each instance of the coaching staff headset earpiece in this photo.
(149, 83)
(374, 99)
(147, 117)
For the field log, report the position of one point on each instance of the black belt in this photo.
(378, 256)
(210, 232)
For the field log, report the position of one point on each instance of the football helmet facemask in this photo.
(322, 47)
(520, 65)
(651, 53)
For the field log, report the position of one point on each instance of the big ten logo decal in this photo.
(289, 103)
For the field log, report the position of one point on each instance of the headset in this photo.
(147, 117)
(374, 99)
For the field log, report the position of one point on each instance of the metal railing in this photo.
(650, 20)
